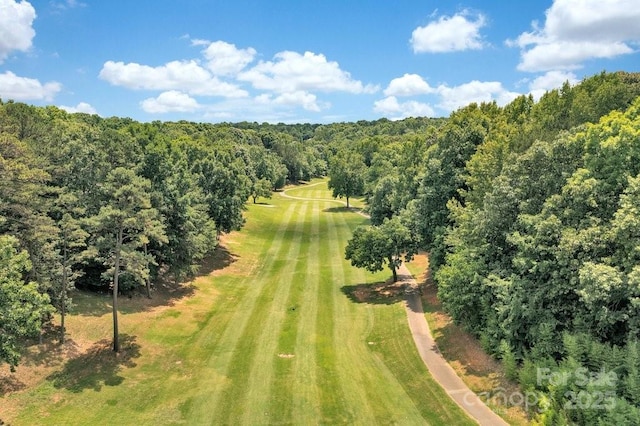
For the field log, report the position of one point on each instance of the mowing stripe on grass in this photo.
(259, 387)
(345, 327)
(281, 407)
(333, 405)
(305, 399)
(222, 358)
(250, 370)
(388, 403)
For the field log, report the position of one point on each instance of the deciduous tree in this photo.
(372, 246)
(22, 306)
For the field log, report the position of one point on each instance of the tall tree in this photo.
(124, 225)
(346, 174)
(71, 242)
(191, 233)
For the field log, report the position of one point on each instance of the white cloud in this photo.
(578, 30)
(186, 76)
(449, 33)
(225, 58)
(291, 72)
(289, 82)
(408, 85)
(171, 101)
(390, 106)
(475, 91)
(26, 89)
(262, 108)
(306, 100)
(81, 107)
(549, 81)
(16, 26)
(446, 98)
(563, 55)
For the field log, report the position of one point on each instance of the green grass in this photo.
(274, 338)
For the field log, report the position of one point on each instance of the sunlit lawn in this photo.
(277, 332)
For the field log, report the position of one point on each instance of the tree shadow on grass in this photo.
(341, 209)
(380, 293)
(10, 383)
(99, 366)
(49, 352)
(165, 292)
(220, 258)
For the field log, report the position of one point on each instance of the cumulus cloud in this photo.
(81, 107)
(16, 26)
(170, 101)
(186, 76)
(578, 30)
(225, 58)
(475, 91)
(408, 85)
(291, 72)
(289, 81)
(549, 81)
(26, 89)
(449, 33)
(306, 100)
(390, 106)
(446, 98)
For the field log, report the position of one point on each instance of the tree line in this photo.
(114, 205)
(529, 213)
(111, 204)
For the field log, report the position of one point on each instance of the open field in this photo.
(278, 332)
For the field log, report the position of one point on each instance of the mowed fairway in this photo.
(276, 337)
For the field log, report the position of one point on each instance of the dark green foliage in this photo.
(123, 226)
(530, 216)
(22, 307)
(372, 246)
(346, 175)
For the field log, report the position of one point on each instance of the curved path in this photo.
(439, 368)
(435, 362)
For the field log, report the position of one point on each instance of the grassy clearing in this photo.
(273, 334)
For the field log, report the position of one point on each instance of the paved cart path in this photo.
(439, 368)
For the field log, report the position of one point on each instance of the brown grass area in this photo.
(89, 333)
(463, 351)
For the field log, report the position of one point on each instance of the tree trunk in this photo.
(392, 266)
(116, 341)
(63, 295)
(347, 202)
(148, 280)
(254, 199)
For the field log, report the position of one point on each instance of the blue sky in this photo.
(304, 61)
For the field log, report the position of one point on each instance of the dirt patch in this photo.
(286, 356)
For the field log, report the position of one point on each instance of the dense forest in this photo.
(529, 213)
